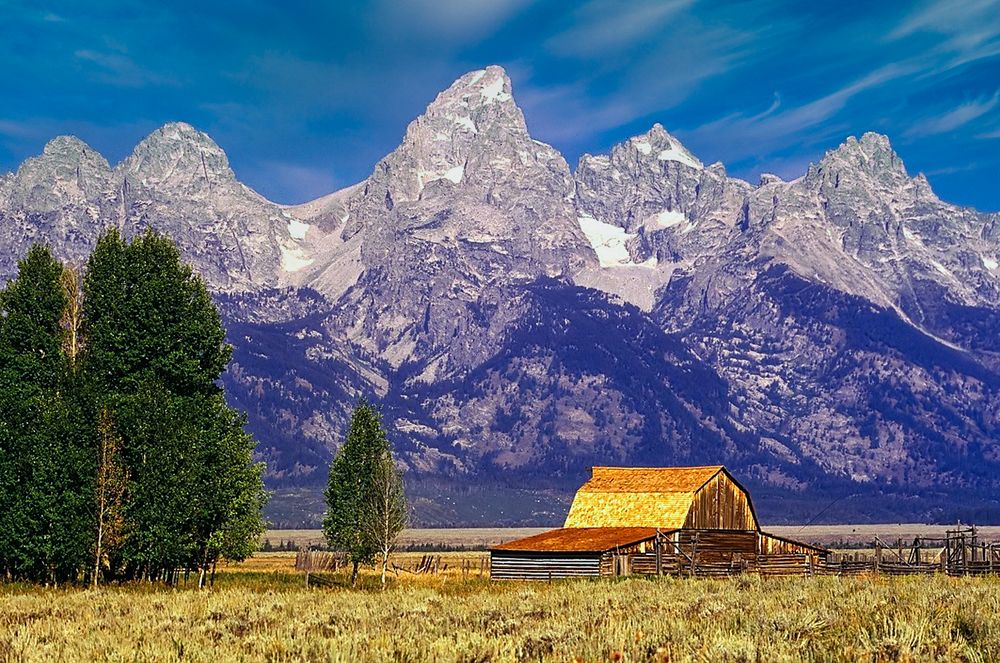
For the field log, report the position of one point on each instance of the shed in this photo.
(650, 520)
(568, 552)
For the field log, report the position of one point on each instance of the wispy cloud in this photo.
(119, 69)
(967, 31)
(955, 118)
(453, 20)
(780, 125)
(600, 27)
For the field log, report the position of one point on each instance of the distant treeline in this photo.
(119, 458)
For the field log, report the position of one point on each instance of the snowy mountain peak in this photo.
(483, 86)
(471, 138)
(659, 145)
(178, 155)
(479, 102)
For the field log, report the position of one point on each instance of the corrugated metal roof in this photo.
(580, 539)
(638, 496)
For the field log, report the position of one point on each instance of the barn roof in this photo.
(650, 479)
(581, 539)
(639, 496)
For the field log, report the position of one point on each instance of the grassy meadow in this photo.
(260, 610)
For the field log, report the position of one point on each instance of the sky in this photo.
(306, 97)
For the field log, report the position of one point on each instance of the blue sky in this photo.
(306, 97)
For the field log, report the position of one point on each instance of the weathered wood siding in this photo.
(773, 545)
(519, 565)
(721, 504)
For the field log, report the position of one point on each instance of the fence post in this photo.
(878, 555)
(659, 555)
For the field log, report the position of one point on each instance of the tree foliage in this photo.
(385, 511)
(45, 467)
(361, 478)
(118, 454)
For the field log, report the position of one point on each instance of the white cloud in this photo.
(954, 118)
(780, 126)
(968, 31)
(457, 20)
(603, 26)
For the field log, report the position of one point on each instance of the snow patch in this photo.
(669, 218)
(477, 76)
(464, 121)
(455, 174)
(680, 155)
(643, 147)
(493, 91)
(608, 241)
(292, 260)
(990, 263)
(297, 229)
(941, 268)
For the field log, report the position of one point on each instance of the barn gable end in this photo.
(721, 503)
(668, 498)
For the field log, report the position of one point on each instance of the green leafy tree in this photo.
(155, 349)
(118, 453)
(351, 486)
(45, 464)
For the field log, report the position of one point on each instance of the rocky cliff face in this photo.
(177, 181)
(826, 337)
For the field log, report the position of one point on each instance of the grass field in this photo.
(257, 614)
(269, 616)
(261, 610)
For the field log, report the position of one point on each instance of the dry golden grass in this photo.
(468, 537)
(449, 563)
(269, 616)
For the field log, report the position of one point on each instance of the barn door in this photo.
(623, 565)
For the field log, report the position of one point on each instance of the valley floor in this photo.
(261, 611)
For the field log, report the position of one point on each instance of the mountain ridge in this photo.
(521, 320)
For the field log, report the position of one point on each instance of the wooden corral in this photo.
(681, 520)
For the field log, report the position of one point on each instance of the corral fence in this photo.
(960, 552)
(311, 562)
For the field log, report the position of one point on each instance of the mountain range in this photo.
(831, 339)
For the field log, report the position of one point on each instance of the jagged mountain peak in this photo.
(482, 86)
(872, 156)
(658, 144)
(68, 171)
(178, 155)
(476, 105)
(471, 138)
(70, 147)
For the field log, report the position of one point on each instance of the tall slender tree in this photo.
(385, 509)
(110, 484)
(350, 489)
(45, 467)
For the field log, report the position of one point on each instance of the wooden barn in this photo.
(664, 520)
